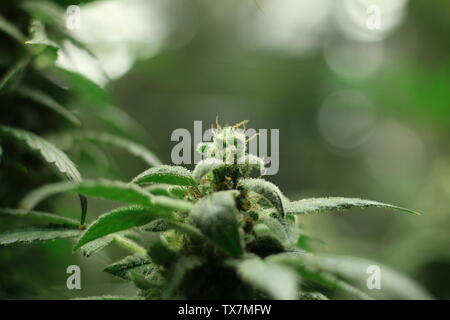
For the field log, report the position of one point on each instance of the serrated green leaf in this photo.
(167, 175)
(266, 189)
(315, 205)
(107, 189)
(307, 269)
(38, 234)
(137, 262)
(11, 30)
(216, 217)
(118, 220)
(119, 142)
(95, 246)
(48, 151)
(276, 280)
(39, 216)
(47, 101)
(51, 154)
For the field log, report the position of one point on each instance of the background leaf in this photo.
(47, 101)
(48, 151)
(39, 216)
(38, 234)
(119, 142)
(314, 205)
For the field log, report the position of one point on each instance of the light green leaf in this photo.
(47, 101)
(165, 174)
(106, 189)
(11, 30)
(278, 281)
(118, 220)
(307, 269)
(139, 262)
(38, 234)
(39, 216)
(266, 189)
(216, 217)
(119, 142)
(315, 205)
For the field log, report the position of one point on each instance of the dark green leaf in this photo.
(216, 217)
(47, 101)
(48, 151)
(14, 71)
(118, 220)
(11, 30)
(119, 142)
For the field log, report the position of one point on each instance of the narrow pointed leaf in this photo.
(120, 219)
(119, 142)
(139, 262)
(39, 216)
(106, 189)
(51, 154)
(315, 205)
(48, 151)
(312, 272)
(278, 281)
(266, 189)
(393, 284)
(47, 101)
(38, 234)
(167, 175)
(11, 30)
(216, 217)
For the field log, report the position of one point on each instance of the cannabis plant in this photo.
(36, 97)
(218, 232)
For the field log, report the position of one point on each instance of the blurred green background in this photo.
(361, 112)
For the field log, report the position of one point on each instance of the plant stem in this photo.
(129, 245)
